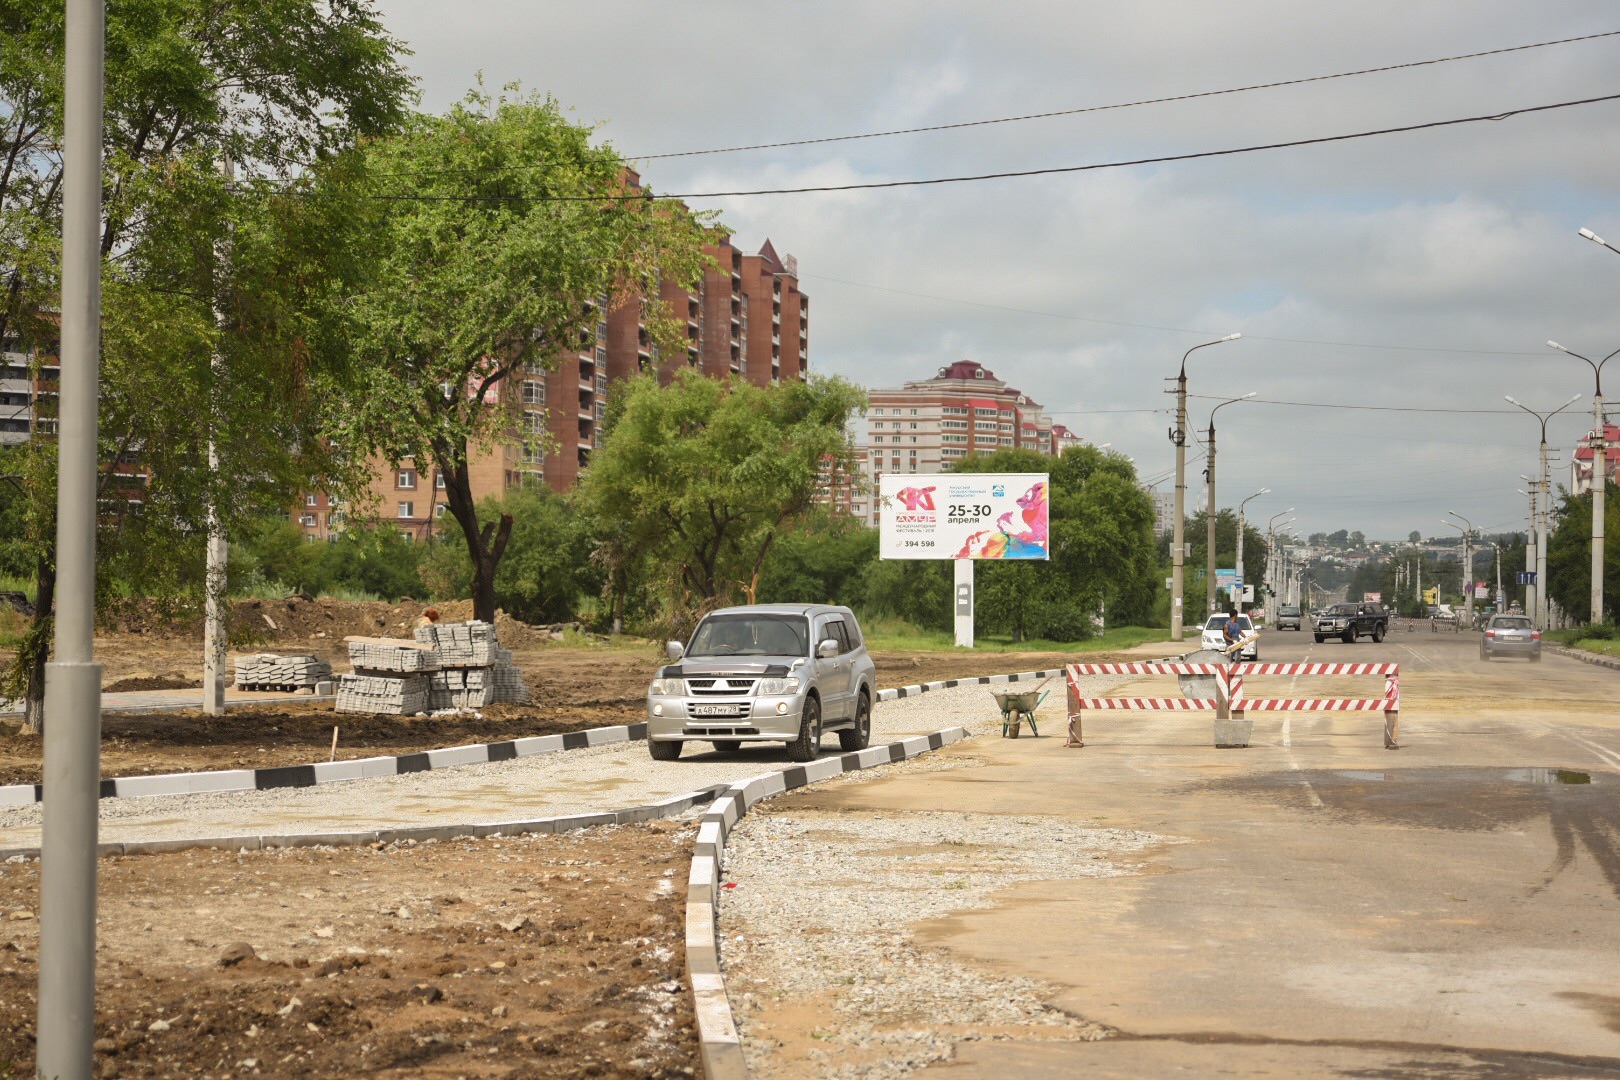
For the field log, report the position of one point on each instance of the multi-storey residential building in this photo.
(16, 396)
(928, 425)
(1580, 465)
(1164, 511)
(568, 403)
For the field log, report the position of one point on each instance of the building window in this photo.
(914, 438)
(438, 480)
(308, 521)
(534, 392)
(309, 500)
(440, 508)
(407, 536)
(405, 479)
(407, 510)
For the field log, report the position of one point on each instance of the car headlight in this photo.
(667, 688)
(779, 687)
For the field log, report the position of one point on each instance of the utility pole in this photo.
(1209, 510)
(1243, 581)
(1178, 435)
(1600, 473)
(1532, 589)
(67, 893)
(214, 612)
(1546, 498)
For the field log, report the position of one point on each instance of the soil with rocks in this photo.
(539, 956)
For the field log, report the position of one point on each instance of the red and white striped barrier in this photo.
(1229, 702)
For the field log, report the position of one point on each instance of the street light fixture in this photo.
(1468, 566)
(1596, 239)
(1598, 441)
(1241, 522)
(1542, 607)
(1178, 435)
(1209, 513)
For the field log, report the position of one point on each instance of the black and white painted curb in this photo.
(719, 1043)
(329, 772)
(1588, 657)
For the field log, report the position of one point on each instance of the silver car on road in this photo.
(1510, 635)
(786, 673)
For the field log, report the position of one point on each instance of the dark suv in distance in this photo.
(1347, 622)
(1288, 617)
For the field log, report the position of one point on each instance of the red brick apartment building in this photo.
(747, 318)
(928, 425)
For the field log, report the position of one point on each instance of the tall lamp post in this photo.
(1541, 544)
(1240, 576)
(1274, 567)
(1532, 549)
(1178, 435)
(1209, 511)
(1600, 472)
(1468, 564)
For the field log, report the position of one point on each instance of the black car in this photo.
(1347, 622)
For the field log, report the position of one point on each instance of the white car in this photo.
(1214, 636)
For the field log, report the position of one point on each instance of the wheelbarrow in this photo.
(1016, 707)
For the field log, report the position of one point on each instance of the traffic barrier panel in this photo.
(1229, 704)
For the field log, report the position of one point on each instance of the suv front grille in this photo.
(720, 687)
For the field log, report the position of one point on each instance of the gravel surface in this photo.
(851, 885)
(568, 782)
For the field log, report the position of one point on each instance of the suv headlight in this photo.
(779, 687)
(667, 688)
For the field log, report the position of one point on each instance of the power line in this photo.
(1365, 408)
(1054, 170)
(1168, 329)
(1122, 105)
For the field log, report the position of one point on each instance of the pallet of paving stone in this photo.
(269, 671)
(394, 695)
(468, 644)
(391, 654)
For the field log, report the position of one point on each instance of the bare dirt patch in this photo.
(540, 956)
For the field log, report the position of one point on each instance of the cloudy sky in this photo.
(1417, 271)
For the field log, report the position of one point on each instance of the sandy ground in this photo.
(541, 956)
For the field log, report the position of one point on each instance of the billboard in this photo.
(963, 516)
(1372, 598)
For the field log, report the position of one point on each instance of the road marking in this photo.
(1310, 792)
(1609, 757)
(1417, 654)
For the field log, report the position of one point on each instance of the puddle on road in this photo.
(1580, 808)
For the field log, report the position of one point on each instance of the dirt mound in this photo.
(151, 682)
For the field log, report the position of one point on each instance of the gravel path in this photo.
(572, 782)
(851, 885)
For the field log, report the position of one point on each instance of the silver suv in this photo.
(785, 673)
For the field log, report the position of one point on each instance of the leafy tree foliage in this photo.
(479, 265)
(547, 570)
(1569, 556)
(1254, 553)
(701, 478)
(821, 561)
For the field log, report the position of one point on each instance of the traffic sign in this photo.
(1525, 577)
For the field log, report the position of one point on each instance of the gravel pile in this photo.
(851, 884)
(571, 782)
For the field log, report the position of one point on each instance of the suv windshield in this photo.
(1342, 609)
(1288, 609)
(752, 635)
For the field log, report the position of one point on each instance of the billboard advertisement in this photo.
(963, 516)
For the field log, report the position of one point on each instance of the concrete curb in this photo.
(1587, 657)
(10, 711)
(328, 772)
(720, 1046)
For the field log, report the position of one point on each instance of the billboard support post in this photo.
(964, 603)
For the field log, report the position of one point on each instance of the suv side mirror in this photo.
(674, 650)
(827, 649)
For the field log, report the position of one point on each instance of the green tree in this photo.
(479, 265)
(547, 569)
(1414, 537)
(819, 561)
(1569, 556)
(701, 478)
(272, 86)
(1254, 553)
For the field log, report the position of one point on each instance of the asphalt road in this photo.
(1329, 907)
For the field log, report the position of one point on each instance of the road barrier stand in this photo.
(1232, 726)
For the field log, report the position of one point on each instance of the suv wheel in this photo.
(1349, 636)
(1378, 633)
(1320, 638)
(856, 738)
(808, 744)
(664, 751)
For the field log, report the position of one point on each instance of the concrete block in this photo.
(327, 772)
(703, 879)
(1233, 734)
(17, 795)
(710, 840)
(377, 766)
(538, 744)
(823, 769)
(702, 954)
(477, 754)
(222, 780)
(325, 688)
(606, 736)
(130, 787)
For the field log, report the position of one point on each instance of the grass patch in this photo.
(12, 627)
(275, 590)
(893, 635)
(1593, 645)
(24, 585)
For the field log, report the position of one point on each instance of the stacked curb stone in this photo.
(473, 670)
(268, 671)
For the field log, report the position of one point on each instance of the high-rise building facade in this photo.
(929, 425)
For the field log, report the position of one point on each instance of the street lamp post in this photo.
(1274, 566)
(1209, 511)
(1241, 520)
(1178, 435)
(1532, 547)
(1467, 568)
(1546, 501)
(1600, 472)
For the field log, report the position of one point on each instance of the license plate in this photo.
(715, 710)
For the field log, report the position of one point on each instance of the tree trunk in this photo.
(485, 545)
(40, 637)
